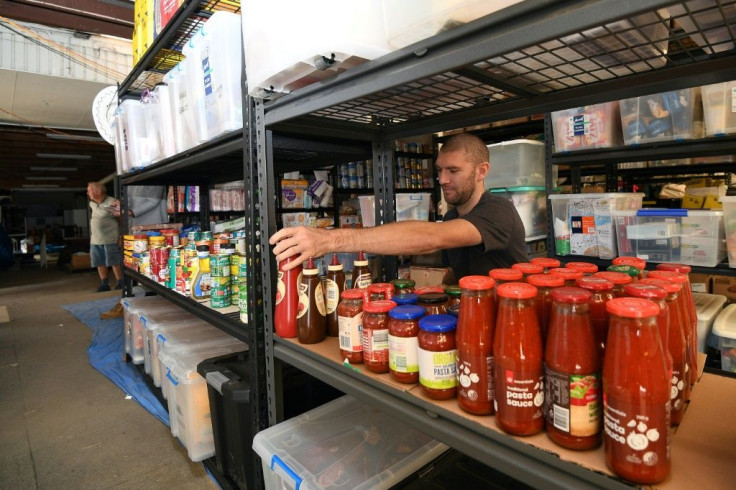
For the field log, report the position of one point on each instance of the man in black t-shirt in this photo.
(480, 233)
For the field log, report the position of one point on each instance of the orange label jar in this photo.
(403, 356)
(375, 335)
(437, 356)
(350, 325)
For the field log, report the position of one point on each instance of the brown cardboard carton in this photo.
(429, 276)
(725, 286)
(81, 261)
(700, 283)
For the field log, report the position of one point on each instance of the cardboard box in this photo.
(429, 276)
(81, 260)
(700, 283)
(725, 286)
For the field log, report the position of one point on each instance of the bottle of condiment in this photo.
(619, 280)
(311, 322)
(640, 264)
(403, 286)
(601, 291)
(636, 406)
(202, 282)
(334, 286)
(546, 262)
(433, 303)
(361, 273)
(350, 325)
(545, 283)
(474, 340)
(453, 293)
(375, 335)
(437, 356)
(287, 300)
(570, 275)
(501, 276)
(585, 267)
(572, 372)
(403, 356)
(518, 357)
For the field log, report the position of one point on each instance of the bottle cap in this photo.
(632, 261)
(546, 280)
(433, 298)
(570, 295)
(403, 283)
(617, 278)
(626, 269)
(646, 291)
(361, 260)
(675, 277)
(381, 306)
(380, 288)
(681, 268)
(407, 312)
(546, 262)
(438, 323)
(335, 265)
(405, 299)
(454, 291)
(516, 290)
(310, 269)
(352, 294)
(594, 283)
(505, 275)
(584, 267)
(528, 268)
(669, 287)
(632, 307)
(568, 274)
(477, 283)
(429, 289)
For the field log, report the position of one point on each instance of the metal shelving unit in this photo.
(533, 57)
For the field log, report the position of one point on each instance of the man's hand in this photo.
(114, 208)
(304, 242)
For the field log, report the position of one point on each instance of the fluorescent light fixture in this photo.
(40, 186)
(64, 156)
(54, 169)
(73, 137)
(45, 178)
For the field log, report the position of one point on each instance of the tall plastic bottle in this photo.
(361, 272)
(334, 286)
(287, 300)
(311, 322)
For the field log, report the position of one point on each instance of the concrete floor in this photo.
(62, 423)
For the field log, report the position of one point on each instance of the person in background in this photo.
(480, 233)
(104, 236)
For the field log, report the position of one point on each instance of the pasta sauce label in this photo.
(636, 435)
(474, 377)
(375, 345)
(362, 281)
(573, 402)
(402, 354)
(350, 330)
(520, 391)
(280, 288)
(438, 370)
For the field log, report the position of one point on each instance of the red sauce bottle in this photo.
(474, 340)
(287, 300)
(361, 273)
(501, 276)
(570, 275)
(518, 357)
(619, 280)
(311, 322)
(545, 283)
(527, 269)
(601, 291)
(380, 291)
(429, 289)
(546, 262)
(334, 285)
(636, 393)
(585, 267)
(375, 335)
(350, 325)
(403, 350)
(572, 372)
(438, 356)
(640, 264)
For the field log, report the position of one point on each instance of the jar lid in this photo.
(626, 269)
(647, 291)
(153, 233)
(454, 310)
(566, 273)
(669, 287)
(617, 278)
(477, 283)
(632, 261)
(380, 287)
(504, 275)
(546, 280)
(407, 312)
(675, 277)
(403, 283)
(169, 231)
(203, 248)
(681, 268)
(584, 267)
(594, 283)
(380, 306)
(438, 323)
(140, 237)
(454, 291)
(429, 289)
(528, 268)
(352, 294)
(516, 290)
(335, 265)
(632, 307)
(570, 295)
(546, 262)
(227, 246)
(405, 299)
(432, 298)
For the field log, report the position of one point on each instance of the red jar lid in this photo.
(632, 307)
(380, 306)
(429, 289)
(506, 274)
(633, 261)
(528, 268)
(669, 287)
(546, 280)
(570, 295)
(380, 287)
(516, 290)
(584, 267)
(647, 291)
(545, 262)
(169, 231)
(566, 273)
(140, 237)
(594, 283)
(477, 283)
(675, 277)
(352, 294)
(681, 268)
(617, 278)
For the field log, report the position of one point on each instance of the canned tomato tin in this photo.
(171, 237)
(221, 260)
(159, 264)
(140, 243)
(234, 264)
(144, 264)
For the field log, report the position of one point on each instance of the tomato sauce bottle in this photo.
(287, 300)
(572, 372)
(350, 325)
(518, 357)
(311, 321)
(601, 291)
(636, 393)
(380, 291)
(438, 356)
(546, 262)
(375, 335)
(640, 264)
(570, 275)
(545, 283)
(585, 267)
(501, 276)
(527, 269)
(403, 353)
(334, 286)
(453, 294)
(474, 339)
(619, 280)
(361, 273)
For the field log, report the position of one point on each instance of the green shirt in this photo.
(103, 226)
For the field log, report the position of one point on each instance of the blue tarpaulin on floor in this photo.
(106, 353)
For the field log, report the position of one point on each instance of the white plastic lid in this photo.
(727, 198)
(595, 195)
(725, 324)
(708, 305)
(516, 142)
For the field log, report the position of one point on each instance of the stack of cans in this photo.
(242, 294)
(220, 274)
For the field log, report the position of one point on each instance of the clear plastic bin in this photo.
(583, 223)
(196, 51)
(413, 206)
(668, 116)
(185, 130)
(593, 126)
(516, 163)
(531, 204)
(724, 329)
(692, 237)
(132, 327)
(139, 138)
(729, 222)
(167, 144)
(719, 107)
(328, 447)
(152, 319)
(707, 306)
(367, 210)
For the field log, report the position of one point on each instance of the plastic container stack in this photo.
(516, 163)
(531, 204)
(582, 128)
(668, 116)
(718, 106)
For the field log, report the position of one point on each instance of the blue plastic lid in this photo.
(407, 312)
(153, 233)
(438, 323)
(405, 299)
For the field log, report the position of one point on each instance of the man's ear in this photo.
(483, 169)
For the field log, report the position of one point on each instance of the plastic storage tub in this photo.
(692, 237)
(516, 163)
(668, 116)
(531, 204)
(593, 126)
(185, 129)
(367, 210)
(729, 222)
(166, 331)
(583, 223)
(719, 104)
(329, 447)
(151, 320)
(708, 307)
(132, 327)
(413, 206)
(724, 330)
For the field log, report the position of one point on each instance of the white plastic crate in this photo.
(185, 129)
(531, 204)
(707, 306)
(668, 116)
(151, 320)
(719, 108)
(516, 163)
(581, 128)
(414, 206)
(729, 222)
(342, 444)
(132, 327)
(724, 330)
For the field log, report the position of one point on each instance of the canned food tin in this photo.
(128, 242)
(206, 235)
(235, 289)
(220, 271)
(174, 261)
(156, 241)
(140, 243)
(221, 260)
(234, 264)
(243, 304)
(239, 243)
(144, 264)
(220, 301)
(192, 237)
(220, 281)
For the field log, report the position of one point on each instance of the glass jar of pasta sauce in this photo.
(438, 356)
(403, 329)
(433, 303)
(375, 335)
(380, 291)
(403, 286)
(350, 325)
